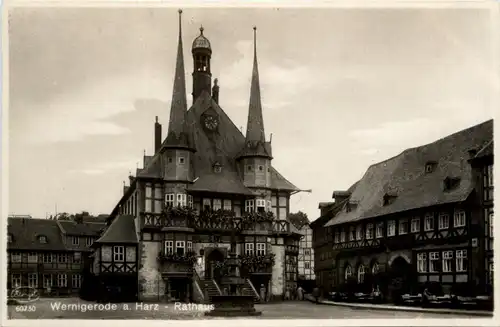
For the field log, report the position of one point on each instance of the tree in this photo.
(298, 219)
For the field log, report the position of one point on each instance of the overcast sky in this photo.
(342, 89)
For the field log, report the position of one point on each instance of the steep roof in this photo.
(25, 234)
(404, 177)
(121, 230)
(69, 227)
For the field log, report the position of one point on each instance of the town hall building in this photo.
(169, 235)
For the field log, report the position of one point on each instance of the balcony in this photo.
(174, 264)
(251, 264)
(214, 221)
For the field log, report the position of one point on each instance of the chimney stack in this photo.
(157, 135)
(215, 91)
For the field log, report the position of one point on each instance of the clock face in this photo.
(211, 122)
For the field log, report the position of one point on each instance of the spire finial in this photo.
(201, 29)
(156, 118)
(180, 22)
(255, 40)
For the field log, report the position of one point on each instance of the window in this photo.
(181, 160)
(180, 247)
(430, 166)
(307, 265)
(490, 272)
(227, 205)
(207, 205)
(380, 230)
(149, 191)
(391, 228)
(490, 223)
(307, 251)
(488, 183)
(76, 281)
(169, 200)
(158, 192)
(47, 258)
(342, 236)
(249, 205)
(33, 280)
(434, 262)
(16, 257)
(16, 280)
(190, 201)
(348, 272)
(261, 168)
(459, 218)
(118, 253)
(47, 280)
(77, 256)
(375, 268)
(217, 168)
(42, 239)
(444, 221)
(62, 258)
(89, 241)
(62, 280)
(369, 231)
(336, 237)
(359, 233)
(403, 226)
(352, 234)
(9, 238)
(75, 240)
(189, 247)
(422, 262)
(461, 261)
(217, 204)
(249, 168)
(429, 222)
(261, 248)
(169, 247)
(181, 200)
(447, 260)
(361, 274)
(261, 205)
(249, 248)
(32, 257)
(415, 225)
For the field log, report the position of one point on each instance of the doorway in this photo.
(211, 270)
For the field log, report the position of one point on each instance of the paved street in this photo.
(44, 309)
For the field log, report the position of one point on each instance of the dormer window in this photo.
(217, 167)
(42, 239)
(430, 166)
(389, 199)
(451, 183)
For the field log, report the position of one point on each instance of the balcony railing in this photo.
(214, 221)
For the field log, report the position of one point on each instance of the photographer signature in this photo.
(24, 294)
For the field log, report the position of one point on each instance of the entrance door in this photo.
(400, 278)
(211, 271)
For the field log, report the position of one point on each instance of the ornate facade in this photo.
(205, 181)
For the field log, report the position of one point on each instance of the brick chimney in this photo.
(215, 91)
(157, 135)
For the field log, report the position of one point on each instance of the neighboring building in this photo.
(48, 254)
(204, 181)
(421, 216)
(306, 254)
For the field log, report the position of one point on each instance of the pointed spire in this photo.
(255, 124)
(177, 129)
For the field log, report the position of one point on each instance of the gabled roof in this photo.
(71, 228)
(25, 234)
(405, 177)
(121, 230)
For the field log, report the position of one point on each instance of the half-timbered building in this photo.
(204, 183)
(48, 255)
(419, 217)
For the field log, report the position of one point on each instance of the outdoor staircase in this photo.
(249, 289)
(210, 288)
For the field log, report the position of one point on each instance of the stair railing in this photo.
(217, 286)
(197, 283)
(253, 289)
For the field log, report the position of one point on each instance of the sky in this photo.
(341, 89)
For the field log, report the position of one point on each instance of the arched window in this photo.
(348, 272)
(375, 268)
(361, 274)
